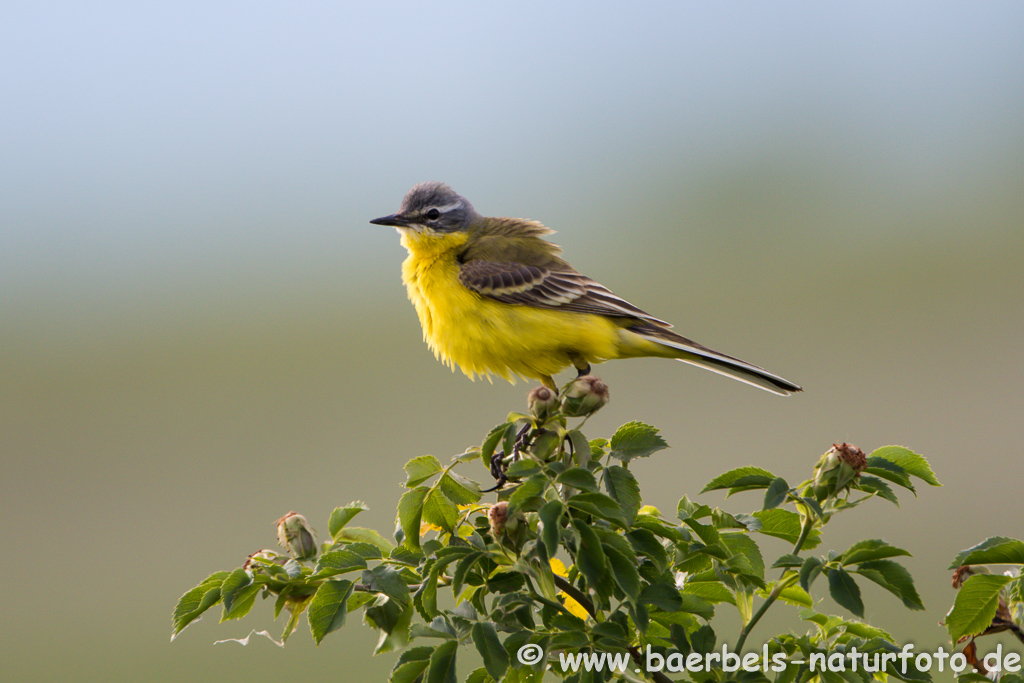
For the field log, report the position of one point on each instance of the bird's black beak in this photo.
(394, 220)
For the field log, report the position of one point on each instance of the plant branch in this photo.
(777, 590)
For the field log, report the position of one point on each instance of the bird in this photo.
(493, 296)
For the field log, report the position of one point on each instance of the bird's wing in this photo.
(528, 285)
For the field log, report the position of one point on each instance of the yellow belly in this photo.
(484, 336)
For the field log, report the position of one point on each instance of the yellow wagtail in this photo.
(494, 297)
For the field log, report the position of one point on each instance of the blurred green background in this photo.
(199, 330)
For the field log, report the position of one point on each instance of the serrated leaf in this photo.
(871, 549)
(328, 609)
(664, 596)
(579, 478)
(624, 572)
(194, 602)
(526, 491)
(809, 571)
(420, 469)
(713, 591)
(703, 639)
(975, 605)
(875, 485)
(590, 557)
(458, 489)
(384, 579)
(746, 477)
(599, 505)
(232, 587)
(439, 511)
(410, 515)
(409, 672)
(788, 560)
(647, 544)
(776, 493)
(635, 440)
(880, 467)
(746, 555)
(338, 562)
(844, 590)
(343, 515)
(442, 663)
(496, 659)
(994, 550)
(356, 534)
(793, 595)
(785, 525)
(914, 464)
(622, 486)
(550, 532)
(893, 577)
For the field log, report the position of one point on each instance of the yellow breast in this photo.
(482, 335)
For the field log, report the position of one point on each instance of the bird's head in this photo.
(432, 207)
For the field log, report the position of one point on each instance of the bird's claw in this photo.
(498, 466)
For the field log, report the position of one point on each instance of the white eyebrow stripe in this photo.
(448, 207)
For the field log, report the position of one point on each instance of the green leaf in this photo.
(994, 550)
(975, 605)
(580, 447)
(599, 505)
(233, 588)
(624, 572)
(479, 675)
(785, 525)
(526, 491)
(741, 479)
(647, 544)
(384, 579)
(550, 532)
(793, 595)
(327, 610)
(411, 665)
(442, 663)
(590, 557)
(910, 461)
(425, 599)
(458, 489)
(439, 511)
(353, 534)
(664, 596)
(703, 639)
(623, 487)
(876, 486)
(192, 604)
(788, 560)
(578, 477)
(809, 571)
(410, 514)
(343, 515)
(776, 493)
(845, 591)
(338, 562)
(713, 591)
(635, 440)
(746, 556)
(522, 469)
(881, 467)
(872, 549)
(420, 469)
(496, 659)
(893, 577)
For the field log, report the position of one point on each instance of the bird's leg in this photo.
(581, 365)
(498, 467)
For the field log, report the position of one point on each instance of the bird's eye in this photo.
(433, 214)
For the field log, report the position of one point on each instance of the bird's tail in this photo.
(693, 353)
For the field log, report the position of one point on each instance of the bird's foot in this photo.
(498, 466)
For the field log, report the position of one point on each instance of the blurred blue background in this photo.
(200, 331)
